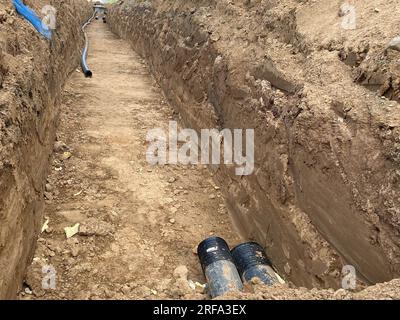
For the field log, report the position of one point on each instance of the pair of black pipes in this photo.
(227, 270)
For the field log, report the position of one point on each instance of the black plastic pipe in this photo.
(252, 262)
(85, 68)
(218, 267)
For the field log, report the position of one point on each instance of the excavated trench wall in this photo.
(32, 73)
(325, 190)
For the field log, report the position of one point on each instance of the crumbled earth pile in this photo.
(32, 72)
(382, 291)
(322, 98)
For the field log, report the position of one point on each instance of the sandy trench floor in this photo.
(138, 223)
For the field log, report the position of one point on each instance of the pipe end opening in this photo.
(249, 254)
(213, 249)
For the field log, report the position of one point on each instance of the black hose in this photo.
(85, 67)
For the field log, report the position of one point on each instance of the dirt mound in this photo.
(32, 72)
(382, 291)
(325, 191)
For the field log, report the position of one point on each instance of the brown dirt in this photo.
(32, 72)
(141, 221)
(325, 192)
(382, 291)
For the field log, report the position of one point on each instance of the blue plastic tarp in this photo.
(32, 17)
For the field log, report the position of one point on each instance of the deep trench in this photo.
(140, 224)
